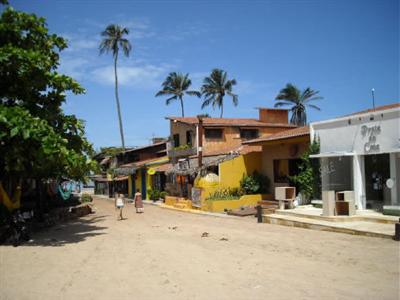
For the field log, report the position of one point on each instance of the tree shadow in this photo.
(69, 232)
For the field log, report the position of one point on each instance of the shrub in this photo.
(86, 198)
(226, 194)
(255, 184)
(308, 180)
(163, 195)
(183, 147)
(154, 194)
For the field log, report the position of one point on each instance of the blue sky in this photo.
(341, 48)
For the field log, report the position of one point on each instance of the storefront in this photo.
(361, 153)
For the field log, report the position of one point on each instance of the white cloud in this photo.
(247, 87)
(143, 76)
(74, 66)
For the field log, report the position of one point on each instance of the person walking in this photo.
(119, 204)
(138, 202)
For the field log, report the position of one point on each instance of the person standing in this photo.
(138, 202)
(119, 203)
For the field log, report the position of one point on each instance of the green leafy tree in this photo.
(113, 41)
(298, 100)
(215, 87)
(308, 180)
(176, 85)
(37, 140)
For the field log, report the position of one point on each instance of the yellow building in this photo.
(220, 171)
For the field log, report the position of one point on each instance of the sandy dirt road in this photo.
(161, 255)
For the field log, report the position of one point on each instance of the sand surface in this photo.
(161, 254)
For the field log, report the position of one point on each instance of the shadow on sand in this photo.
(70, 232)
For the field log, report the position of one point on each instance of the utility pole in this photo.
(200, 143)
(373, 98)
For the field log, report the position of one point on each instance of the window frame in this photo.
(208, 130)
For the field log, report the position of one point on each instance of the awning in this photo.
(191, 167)
(163, 168)
(101, 179)
(121, 178)
(125, 171)
(332, 154)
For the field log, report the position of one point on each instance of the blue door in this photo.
(143, 183)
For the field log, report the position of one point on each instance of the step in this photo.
(180, 205)
(268, 211)
(363, 228)
(338, 219)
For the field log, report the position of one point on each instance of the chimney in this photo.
(273, 115)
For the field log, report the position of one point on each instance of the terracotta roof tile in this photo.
(220, 122)
(286, 134)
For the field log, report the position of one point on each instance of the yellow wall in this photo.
(138, 181)
(149, 181)
(231, 171)
(221, 205)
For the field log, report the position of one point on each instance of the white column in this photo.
(359, 181)
(395, 174)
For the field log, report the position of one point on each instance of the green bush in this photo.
(183, 147)
(154, 194)
(163, 195)
(255, 184)
(308, 180)
(86, 198)
(226, 194)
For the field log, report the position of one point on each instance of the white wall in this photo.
(346, 134)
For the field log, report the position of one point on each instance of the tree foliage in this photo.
(37, 140)
(308, 181)
(175, 86)
(113, 41)
(298, 100)
(214, 89)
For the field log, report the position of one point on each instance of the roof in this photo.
(240, 150)
(286, 134)
(224, 122)
(163, 168)
(190, 166)
(141, 163)
(144, 147)
(379, 108)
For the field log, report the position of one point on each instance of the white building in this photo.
(361, 153)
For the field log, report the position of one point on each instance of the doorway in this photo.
(377, 171)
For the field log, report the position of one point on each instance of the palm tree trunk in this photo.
(183, 112)
(121, 130)
(222, 109)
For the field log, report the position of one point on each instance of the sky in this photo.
(342, 48)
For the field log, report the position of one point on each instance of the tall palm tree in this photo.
(299, 100)
(176, 85)
(214, 89)
(113, 41)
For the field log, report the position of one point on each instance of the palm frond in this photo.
(169, 100)
(235, 98)
(314, 106)
(194, 93)
(206, 102)
(280, 104)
